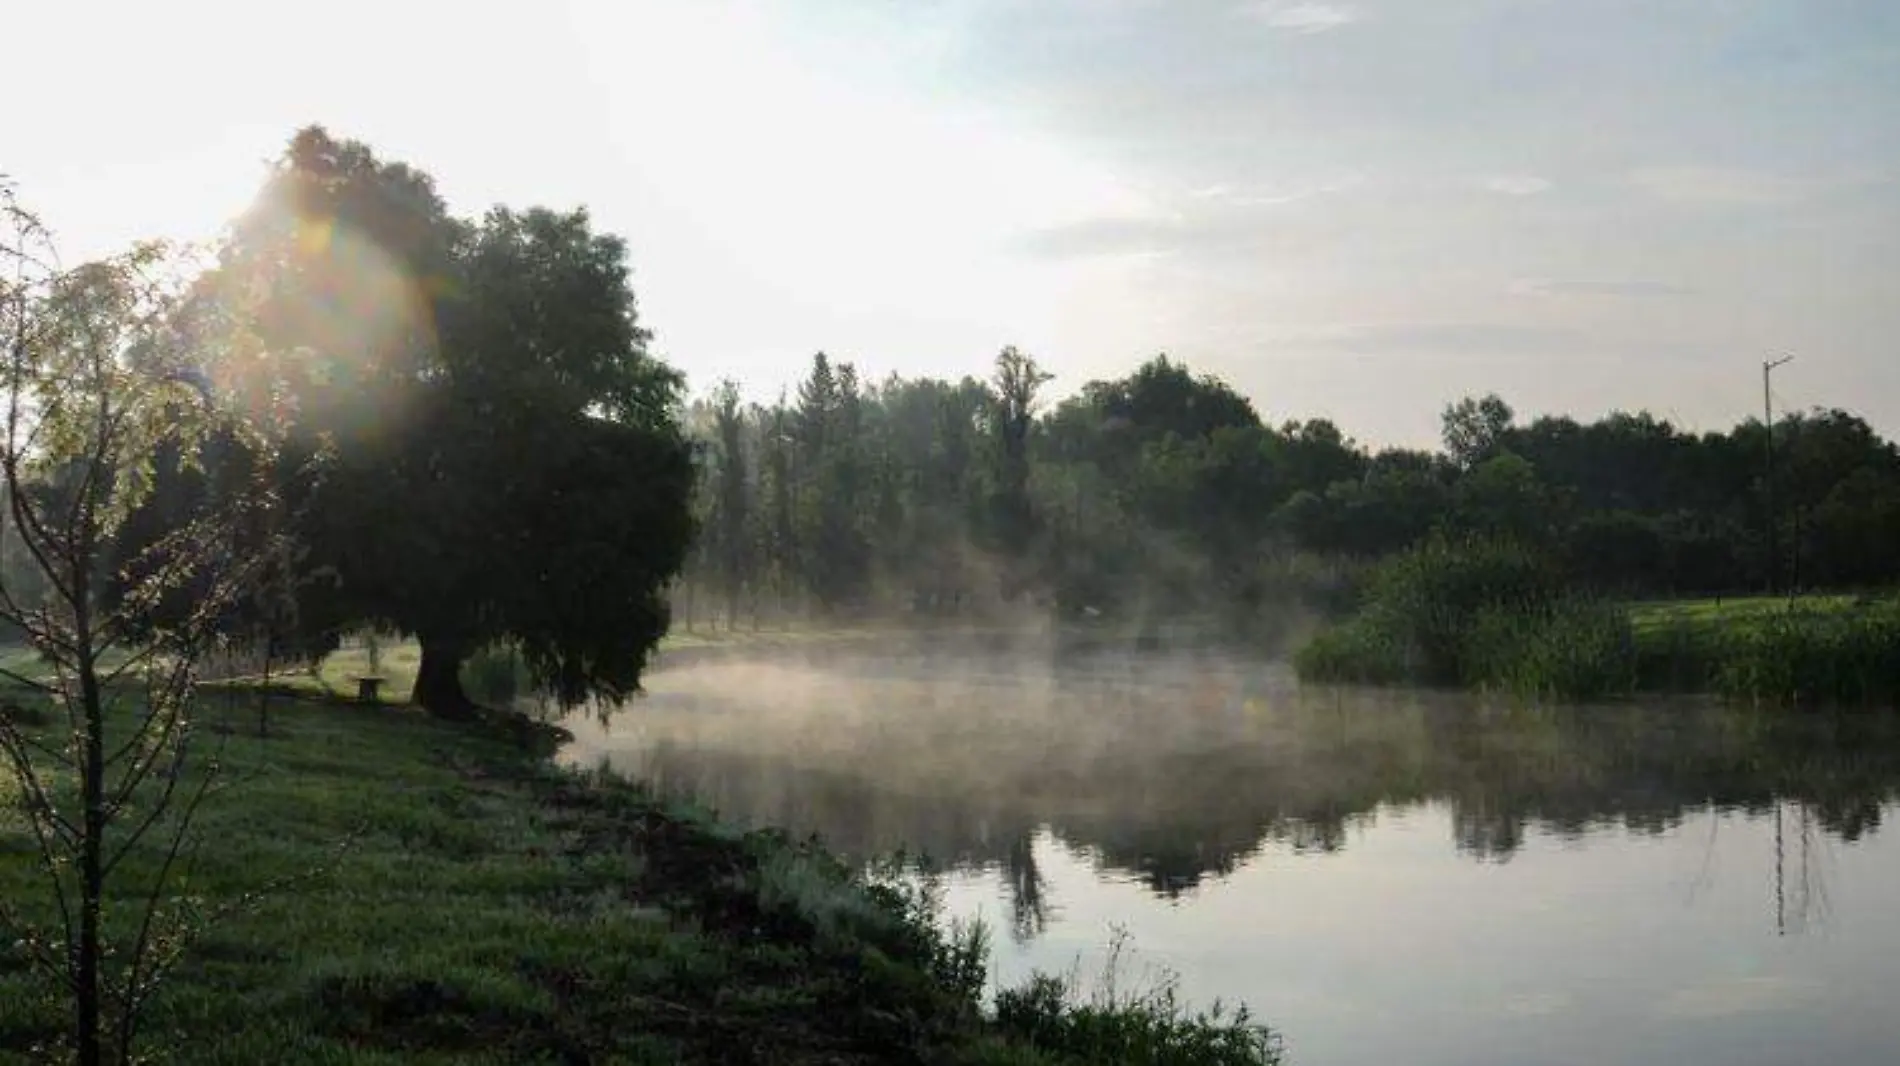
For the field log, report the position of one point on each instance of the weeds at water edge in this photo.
(1115, 1021)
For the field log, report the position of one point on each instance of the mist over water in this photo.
(1383, 876)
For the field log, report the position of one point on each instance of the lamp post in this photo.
(1768, 478)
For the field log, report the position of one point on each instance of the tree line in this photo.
(1165, 493)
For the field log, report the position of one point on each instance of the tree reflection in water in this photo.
(1175, 770)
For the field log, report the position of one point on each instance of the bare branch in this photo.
(10, 734)
(39, 816)
(15, 744)
(134, 992)
(24, 681)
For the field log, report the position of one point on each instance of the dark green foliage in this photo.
(599, 525)
(1570, 648)
(1475, 429)
(1357, 651)
(1398, 501)
(1156, 496)
(1151, 1028)
(1492, 615)
(1792, 654)
(729, 533)
(1432, 596)
(1501, 497)
(494, 675)
(1854, 531)
(1617, 551)
(1150, 498)
(479, 446)
(1482, 613)
(1111, 421)
(1012, 519)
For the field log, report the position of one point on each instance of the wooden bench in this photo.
(368, 689)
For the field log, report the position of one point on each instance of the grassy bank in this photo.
(1479, 614)
(1495, 616)
(1831, 650)
(490, 672)
(409, 892)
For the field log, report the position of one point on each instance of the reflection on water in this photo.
(1385, 876)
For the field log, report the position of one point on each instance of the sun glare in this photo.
(353, 311)
(885, 202)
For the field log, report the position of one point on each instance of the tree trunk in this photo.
(90, 950)
(439, 679)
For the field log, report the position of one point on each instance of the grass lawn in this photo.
(1653, 614)
(426, 893)
(400, 658)
(1841, 650)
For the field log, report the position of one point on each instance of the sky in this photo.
(1360, 210)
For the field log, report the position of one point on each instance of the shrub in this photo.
(1357, 652)
(1573, 648)
(1147, 1026)
(495, 676)
(1808, 655)
(1445, 612)
(1844, 653)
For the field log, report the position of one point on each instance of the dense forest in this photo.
(1165, 494)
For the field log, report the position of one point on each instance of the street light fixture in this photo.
(1768, 480)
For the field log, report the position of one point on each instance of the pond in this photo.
(1382, 876)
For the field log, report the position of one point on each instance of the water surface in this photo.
(1384, 877)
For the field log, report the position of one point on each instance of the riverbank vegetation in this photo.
(1498, 615)
(373, 886)
(1481, 614)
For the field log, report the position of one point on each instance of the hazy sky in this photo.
(1359, 209)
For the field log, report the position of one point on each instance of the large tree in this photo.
(502, 455)
(731, 531)
(1475, 428)
(1018, 381)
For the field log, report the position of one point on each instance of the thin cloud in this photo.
(1724, 186)
(1204, 219)
(1107, 236)
(1517, 184)
(1308, 18)
(1437, 339)
(1636, 289)
(1261, 196)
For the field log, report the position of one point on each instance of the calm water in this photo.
(1382, 877)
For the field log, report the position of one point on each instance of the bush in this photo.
(1355, 652)
(1430, 597)
(1844, 653)
(1142, 1026)
(495, 675)
(1676, 655)
(1482, 614)
(1445, 612)
(31, 714)
(1808, 655)
(1575, 648)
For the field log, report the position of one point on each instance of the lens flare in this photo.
(329, 330)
